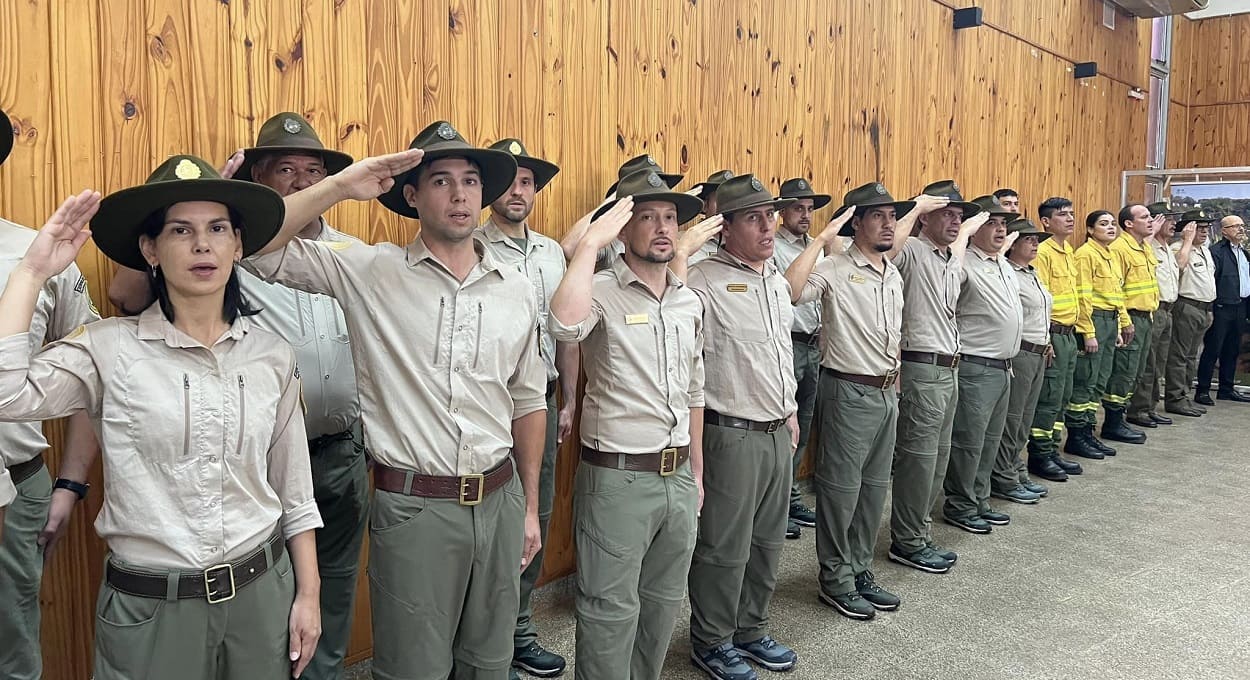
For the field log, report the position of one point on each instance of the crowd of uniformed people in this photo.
(276, 389)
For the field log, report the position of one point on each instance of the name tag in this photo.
(856, 278)
(736, 287)
(634, 319)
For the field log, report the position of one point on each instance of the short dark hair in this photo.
(414, 175)
(234, 305)
(1126, 214)
(1092, 218)
(1049, 206)
(1004, 193)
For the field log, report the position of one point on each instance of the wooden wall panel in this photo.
(1213, 103)
(841, 93)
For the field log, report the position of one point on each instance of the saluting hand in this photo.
(926, 204)
(62, 236)
(972, 224)
(692, 239)
(371, 177)
(1189, 231)
(233, 163)
(608, 226)
(1009, 242)
(829, 236)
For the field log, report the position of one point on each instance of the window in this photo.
(1161, 42)
(1160, 82)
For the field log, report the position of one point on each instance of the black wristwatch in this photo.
(80, 489)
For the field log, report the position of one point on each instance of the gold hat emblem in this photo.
(292, 126)
(515, 148)
(446, 131)
(187, 170)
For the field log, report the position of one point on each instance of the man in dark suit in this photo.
(1232, 287)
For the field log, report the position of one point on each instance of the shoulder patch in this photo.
(337, 245)
(76, 333)
(81, 285)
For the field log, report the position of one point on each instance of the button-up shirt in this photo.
(708, 249)
(315, 327)
(746, 322)
(643, 357)
(204, 447)
(931, 281)
(1036, 302)
(786, 249)
(1136, 265)
(1243, 270)
(990, 315)
(542, 262)
(62, 306)
(1198, 278)
(443, 366)
(1167, 273)
(1056, 267)
(862, 310)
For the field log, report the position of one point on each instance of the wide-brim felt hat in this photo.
(290, 133)
(440, 140)
(543, 170)
(989, 203)
(118, 224)
(648, 186)
(800, 188)
(708, 187)
(1163, 208)
(640, 164)
(870, 195)
(6, 136)
(1026, 228)
(947, 188)
(1199, 215)
(745, 192)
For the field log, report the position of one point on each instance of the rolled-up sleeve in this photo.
(322, 267)
(290, 469)
(578, 331)
(818, 282)
(696, 369)
(59, 380)
(528, 383)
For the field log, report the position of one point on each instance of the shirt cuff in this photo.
(520, 409)
(301, 518)
(562, 333)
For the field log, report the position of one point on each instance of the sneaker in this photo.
(1036, 488)
(1017, 494)
(924, 559)
(850, 605)
(1000, 519)
(769, 653)
(793, 532)
(536, 661)
(948, 555)
(723, 663)
(876, 596)
(802, 515)
(972, 525)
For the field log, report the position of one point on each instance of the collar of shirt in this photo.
(982, 254)
(1053, 244)
(857, 256)
(626, 276)
(416, 252)
(924, 238)
(1103, 251)
(1021, 268)
(790, 237)
(732, 260)
(1131, 242)
(495, 235)
(154, 326)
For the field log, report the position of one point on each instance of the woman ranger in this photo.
(206, 471)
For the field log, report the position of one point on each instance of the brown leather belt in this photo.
(217, 584)
(665, 462)
(1204, 306)
(1027, 346)
(1140, 312)
(714, 418)
(467, 489)
(1105, 313)
(1060, 329)
(24, 471)
(880, 382)
(1000, 364)
(810, 339)
(943, 360)
(1165, 306)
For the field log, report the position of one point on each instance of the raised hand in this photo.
(1189, 231)
(232, 166)
(62, 236)
(608, 226)
(926, 204)
(692, 239)
(972, 224)
(1009, 242)
(829, 236)
(371, 177)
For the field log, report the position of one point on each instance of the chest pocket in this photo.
(635, 345)
(251, 400)
(165, 412)
(739, 301)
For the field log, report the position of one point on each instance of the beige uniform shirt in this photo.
(204, 447)
(990, 315)
(1197, 280)
(1036, 302)
(786, 249)
(862, 310)
(7, 491)
(931, 282)
(542, 262)
(317, 330)
(746, 323)
(63, 305)
(1167, 272)
(443, 366)
(644, 362)
(708, 249)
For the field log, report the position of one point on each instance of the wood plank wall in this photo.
(1209, 113)
(840, 92)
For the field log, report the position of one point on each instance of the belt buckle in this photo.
(665, 468)
(466, 486)
(955, 361)
(890, 377)
(772, 427)
(214, 574)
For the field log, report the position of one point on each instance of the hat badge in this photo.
(755, 184)
(726, 175)
(515, 148)
(654, 180)
(954, 187)
(802, 184)
(879, 189)
(650, 160)
(445, 131)
(292, 126)
(187, 170)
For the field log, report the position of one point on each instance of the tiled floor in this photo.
(1138, 569)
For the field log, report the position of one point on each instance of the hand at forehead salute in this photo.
(62, 236)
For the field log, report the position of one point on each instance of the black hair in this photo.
(1051, 205)
(234, 305)
(1126, 214)
(1092, 218)
(414, 175)
(1004, 193)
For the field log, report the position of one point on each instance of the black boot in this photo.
(1069, 466)
(1043, 465)
(1098, 443)
(1079, 445)
(1113, 428)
